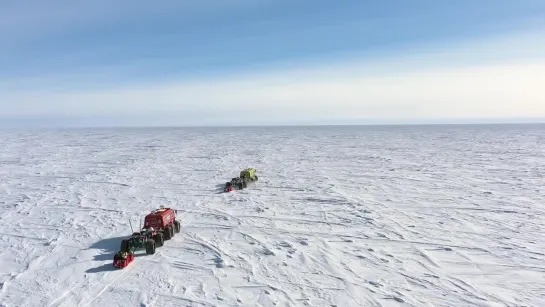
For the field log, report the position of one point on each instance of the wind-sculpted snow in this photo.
(341, 216)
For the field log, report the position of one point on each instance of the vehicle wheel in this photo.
(159, 239)
(168, 233)
(124, 245)
(172, 232)
(150, 247)
(177, 226)
(255, 178)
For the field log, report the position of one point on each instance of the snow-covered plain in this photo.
(341, 216)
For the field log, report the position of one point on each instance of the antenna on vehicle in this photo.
(131, 226)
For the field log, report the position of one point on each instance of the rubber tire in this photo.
(172, 233)
(167, 233)
(124, 245)
(255, 178)
(177, 226)
(150, 247)
(159, 239)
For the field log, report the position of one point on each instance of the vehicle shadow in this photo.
(103, 268)
(107, 248)
(219, 188)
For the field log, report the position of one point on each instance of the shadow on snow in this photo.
(103, 268)
(107, 247)
(107, 250)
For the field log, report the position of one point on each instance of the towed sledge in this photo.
(229, 187)
(123, 259)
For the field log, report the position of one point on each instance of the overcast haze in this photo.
(265, 62)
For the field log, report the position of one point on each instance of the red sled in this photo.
(229, 189)
(122, 260)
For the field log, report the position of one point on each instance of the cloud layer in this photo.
(80, 80)
(488, 91)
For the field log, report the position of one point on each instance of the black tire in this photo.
(255, 178)
(244, 184)
(159, 239)
(167, 233)
(150, 247)
(177, 226)
(124, 245)
(172, 232)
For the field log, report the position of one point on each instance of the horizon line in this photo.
(461, 122)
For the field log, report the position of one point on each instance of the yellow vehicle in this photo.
(241, 182)
(248, 174)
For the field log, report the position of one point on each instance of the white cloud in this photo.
(494, 79)
(509, 90)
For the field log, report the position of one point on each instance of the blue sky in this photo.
(264, 62)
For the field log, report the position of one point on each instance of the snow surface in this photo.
(341, 216)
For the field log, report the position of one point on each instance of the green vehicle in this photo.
(241, 182)
(141, 240)
(248, 174)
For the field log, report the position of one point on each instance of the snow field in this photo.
(341, 216)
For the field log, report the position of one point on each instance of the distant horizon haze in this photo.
(79, 123)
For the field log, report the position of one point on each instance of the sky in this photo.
(263, 62)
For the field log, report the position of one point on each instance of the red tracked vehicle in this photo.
(163, 220)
